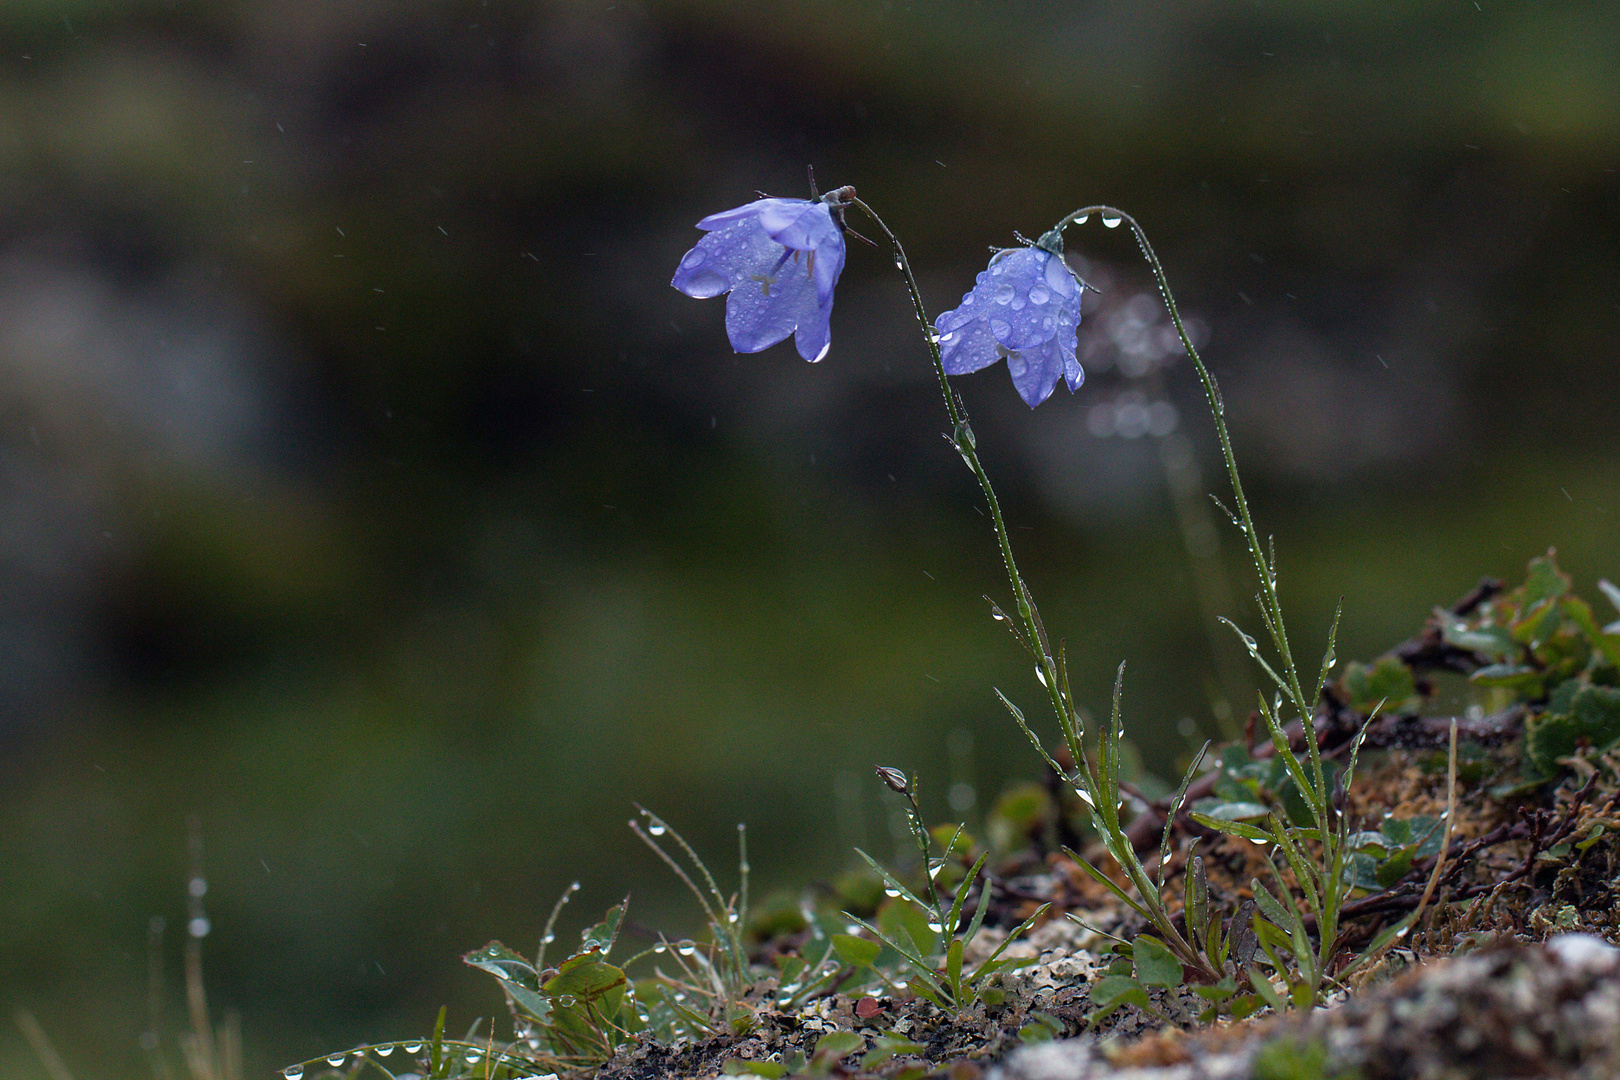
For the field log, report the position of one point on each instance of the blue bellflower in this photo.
(779, 259)
(1025, 307)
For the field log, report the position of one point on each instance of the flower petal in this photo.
(774, 300)
(968, 348)
(814, 337)
(1035, 372)
(711, 267)
(779, 259)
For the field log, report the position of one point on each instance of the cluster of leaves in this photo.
(934, 946)
(829, 1056)
(1542, 645)
(1538, 646)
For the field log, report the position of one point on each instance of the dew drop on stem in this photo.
(1111, 221)
(293, 1072)
(384, 1050)
(336, 1060)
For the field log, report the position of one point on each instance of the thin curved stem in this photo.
(1263, 566)
(963, 440)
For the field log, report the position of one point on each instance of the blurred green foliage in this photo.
(376, 500)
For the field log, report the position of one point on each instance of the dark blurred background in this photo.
(367, 493)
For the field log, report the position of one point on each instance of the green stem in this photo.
(1263, 567)
(962, 439)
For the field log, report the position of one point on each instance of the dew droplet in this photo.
(686, 948)
(656, 830)
(1039, 295)
(567, 1001)
(998, 616)
(473, 1057)
(384, 1050)
(293, 1072)
(336, 1060)
(1040, 674)
(660, 948)
(548, 939)
(411, 1047)
(935, 927)
(1003, 294)
(891, 892)
(589, 943)
(1082, 219)
(199, 927)
(1111, 221)
(788, 988)
(197, 887)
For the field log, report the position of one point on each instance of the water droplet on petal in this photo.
(293, 1072)
(693, 257)
(1039, 295)
(968, 299)
(1004, 293)
(822, 355)
(1000, 328)
(1111, 221)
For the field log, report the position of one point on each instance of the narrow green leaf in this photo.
(1175, 808)
(1017, 932)
(890, 881)
(854, 951)
(953, 969)
(839, 1044)
(1155, 964)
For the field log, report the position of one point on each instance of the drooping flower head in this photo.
(1024, 308)
(779, 259)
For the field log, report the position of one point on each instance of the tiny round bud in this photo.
(895, 779)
